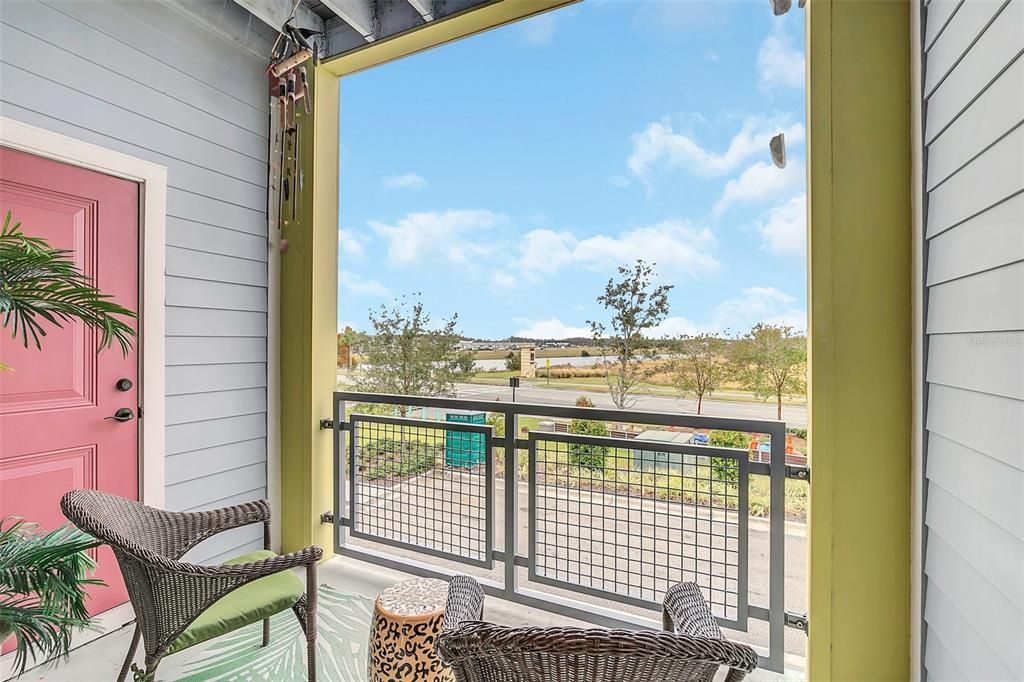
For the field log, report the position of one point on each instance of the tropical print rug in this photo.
(343, 627)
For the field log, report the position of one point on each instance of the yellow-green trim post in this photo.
(309, 273)
(860, 237)
(309, 296)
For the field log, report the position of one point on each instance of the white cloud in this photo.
(503, 280)
(551, 329)
(405, 181)
(676, 246)
(674, 326)
(539, 30)
(446, 234)
(760, 182)
(660, 146)
(350, 244)
(783, 228)
(778, 62)
(738, 314)
(350, 283)
(754, 305)
(619, 181)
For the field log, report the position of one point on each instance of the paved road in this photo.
(793, 415)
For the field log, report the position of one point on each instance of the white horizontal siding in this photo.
(973, 582)
(150, 80)
(987, 241)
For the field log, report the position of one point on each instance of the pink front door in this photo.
(54, 435)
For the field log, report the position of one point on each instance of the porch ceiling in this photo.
(352, 24)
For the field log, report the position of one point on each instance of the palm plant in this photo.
(39, 283)
(43, 577)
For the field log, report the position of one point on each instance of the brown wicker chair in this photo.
(692, 648)
(170, 596)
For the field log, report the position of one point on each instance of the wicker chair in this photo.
(692, 648)
(178, 604)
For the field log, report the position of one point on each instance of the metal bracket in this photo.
(327, 517)
(326, 424)
(799, 473)
(798, 621)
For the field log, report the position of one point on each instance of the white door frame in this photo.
(152, 179)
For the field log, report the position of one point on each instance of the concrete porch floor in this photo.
(100, 660)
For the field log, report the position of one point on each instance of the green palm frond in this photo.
(343, 626)
(40, 284)
(43, 577)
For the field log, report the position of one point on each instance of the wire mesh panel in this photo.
(626, 520)
(424, 485)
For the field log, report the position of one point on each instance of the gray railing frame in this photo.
(509, 588)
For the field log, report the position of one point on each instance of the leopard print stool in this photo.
(407, 619)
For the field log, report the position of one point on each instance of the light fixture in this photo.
(777, 147)
(781, 6)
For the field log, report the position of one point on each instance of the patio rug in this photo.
(343, 627)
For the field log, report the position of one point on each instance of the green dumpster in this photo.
(464, 448)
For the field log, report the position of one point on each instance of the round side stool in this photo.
(407, 619)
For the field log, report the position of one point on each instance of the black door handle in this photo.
(122, 415)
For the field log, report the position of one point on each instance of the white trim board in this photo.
(152, 180)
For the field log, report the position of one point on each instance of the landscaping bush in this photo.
(724, 468)
(388, 457)
(513, 362)
(583, 454)
(799, 433)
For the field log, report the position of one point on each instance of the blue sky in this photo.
(506, 176)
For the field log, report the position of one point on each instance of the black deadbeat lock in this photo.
(124, 384)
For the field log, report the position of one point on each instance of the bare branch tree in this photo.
(637, 306)
(700, 365)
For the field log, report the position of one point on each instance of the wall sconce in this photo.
(777, 147)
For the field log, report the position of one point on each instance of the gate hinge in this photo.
(798, 472)
(327, 517)
(798, 621)
(326, 424)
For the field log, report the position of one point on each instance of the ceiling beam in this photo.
(275, 12)
(424, 7)
(359, 14)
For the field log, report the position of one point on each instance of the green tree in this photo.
(513, 361)
(40, 284)
(348, 341)
(586, 454)
(406, 355)
(772, 362)
(636, 307)
(700, 365)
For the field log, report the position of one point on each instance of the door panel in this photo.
(54, 400)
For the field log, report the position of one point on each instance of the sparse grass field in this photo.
(574, 352)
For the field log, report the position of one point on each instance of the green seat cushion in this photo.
(248, 604)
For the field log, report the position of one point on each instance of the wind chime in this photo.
(288, 85)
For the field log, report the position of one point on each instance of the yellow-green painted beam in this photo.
(860, 236)
(309, 294)
(439, 32)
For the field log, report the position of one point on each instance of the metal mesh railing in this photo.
(616, 519)
(626, 521)
(424, 485)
